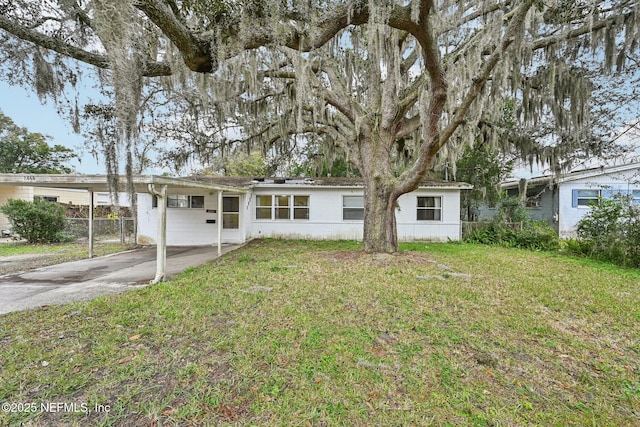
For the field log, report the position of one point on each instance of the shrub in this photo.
(534, 235)
(37, 222)
(512, 227)
(611, 231)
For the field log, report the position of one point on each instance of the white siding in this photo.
(189, 227)
(570, 215)
(66, 196)
(410, 229)
(13, 192)
(186, 226)
(325, 216)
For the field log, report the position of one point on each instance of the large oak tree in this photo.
(392, 83)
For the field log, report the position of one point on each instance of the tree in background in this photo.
(24, 152)
(486, 168)
(395, 85)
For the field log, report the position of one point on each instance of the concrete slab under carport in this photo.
(93, 277)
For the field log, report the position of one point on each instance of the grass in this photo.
(40, 255)
(286, 333)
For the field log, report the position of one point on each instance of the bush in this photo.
(512, 227)
(611, 232)
(533, 235)
(37, 222)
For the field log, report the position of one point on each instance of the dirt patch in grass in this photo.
(379, 259)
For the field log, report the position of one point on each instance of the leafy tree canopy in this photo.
(393, 85)
(22, 151)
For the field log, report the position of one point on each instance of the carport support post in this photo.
(161, 241)
(219, 222)
(90, 224)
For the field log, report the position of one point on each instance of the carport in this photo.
(158, 186)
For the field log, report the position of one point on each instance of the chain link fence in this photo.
(122, 229)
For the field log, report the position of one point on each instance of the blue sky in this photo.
(26, 110)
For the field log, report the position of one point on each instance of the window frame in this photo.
(282, 207)
(595, 199)
(51, 199)
(230, 214)
(182, 201)
(358, 210)
(436, 209)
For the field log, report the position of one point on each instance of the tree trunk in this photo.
(380, 233)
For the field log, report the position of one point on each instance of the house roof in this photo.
(100, 183)
(223, 183)
(575, 175)
(325, 182)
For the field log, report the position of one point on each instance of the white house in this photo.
(320, 208)
(217, 210)
(563, 200)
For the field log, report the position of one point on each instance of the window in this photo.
(533, 202)
(429, 208)
(282, 207)
(231, 212)
(300, 207)
(635, 198)
(352, 208)
(585, 197)
(196, 202)
(263, 207)
(46, 198)
(178, 201)
(182, 201)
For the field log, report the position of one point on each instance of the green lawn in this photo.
(286, 333)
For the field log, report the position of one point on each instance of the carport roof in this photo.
(100, 183)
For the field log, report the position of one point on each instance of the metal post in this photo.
(219, 222)
(161, 241)
(90, 224)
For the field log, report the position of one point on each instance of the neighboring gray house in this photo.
(562, 200)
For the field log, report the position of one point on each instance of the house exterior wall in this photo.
(326, 216)
(547, 209)
(80, 197)
(187, 226)
(623, 182)
(63, 195)
(13, 192)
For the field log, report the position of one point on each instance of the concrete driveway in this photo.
(90, 278)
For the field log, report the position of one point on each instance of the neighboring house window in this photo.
(635, 198)
(46, 198)
(533, 202)
(231, 212)
(182, 201)
(102, 199)
(352, 208)
(585, 197)
(282, 207)
(429, 208)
